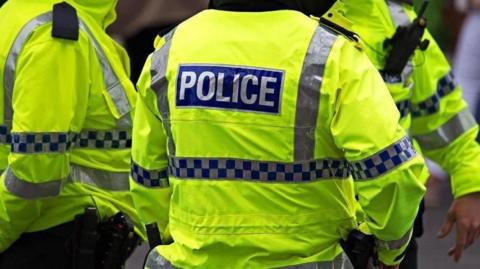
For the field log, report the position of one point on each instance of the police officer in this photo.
(66, 128)
(432, 110)
(248, 130)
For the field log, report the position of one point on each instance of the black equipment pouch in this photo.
(65, 23)
(117, 242)
(403, 44)
(85, 239)
(360, 249)
(153, 235)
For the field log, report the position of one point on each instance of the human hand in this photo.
(464, 214)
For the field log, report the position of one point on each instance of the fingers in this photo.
(462, 238)
(447, 226)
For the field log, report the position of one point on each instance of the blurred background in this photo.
(455, 24)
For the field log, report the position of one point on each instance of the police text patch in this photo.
(229, 87)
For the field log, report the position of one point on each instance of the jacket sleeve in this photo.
(441, 121)
(150, 186)
(45, 103)
(388, 173)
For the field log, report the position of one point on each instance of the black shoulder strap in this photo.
(409, 2)
(339, 29)
(65, 22)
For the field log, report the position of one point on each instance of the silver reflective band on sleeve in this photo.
(105, 180)
(398, 14)
(395, 244)
(383, 161)
(29, 190)
(448, 132)
(159, 84)
(10, 64)
(112, 83)
(308, 97)
(258, 171)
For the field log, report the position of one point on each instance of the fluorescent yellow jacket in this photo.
(427, 95)
(66, 118)
(247, 132)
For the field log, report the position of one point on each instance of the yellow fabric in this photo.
(59, 87)
(373, 22)
(244, 224)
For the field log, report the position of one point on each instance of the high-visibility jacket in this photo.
(248, 130)
(426, 94)
(66, 118)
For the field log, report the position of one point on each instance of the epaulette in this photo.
(335, 20)
(65, 23)
(339, 29)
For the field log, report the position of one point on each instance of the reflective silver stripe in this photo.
(105, 180)
(384, 161)
(448, 132)
(9, 71)
(159, 84)
(395, 244)
(398, 14)
(308, 97)
(112, 83)
(29, 190)
(155, 261)
(258, 171)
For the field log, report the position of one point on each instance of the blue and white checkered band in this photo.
(404, 108)
(229, 87)
(104, 139)
(431, 105)
(258, 171)
(149, 178)
(384, 161)
(62, 142)
(5, 136)
(41, 142)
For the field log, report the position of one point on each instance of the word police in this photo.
(229, 87)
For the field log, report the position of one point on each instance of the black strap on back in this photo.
(65, 22)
